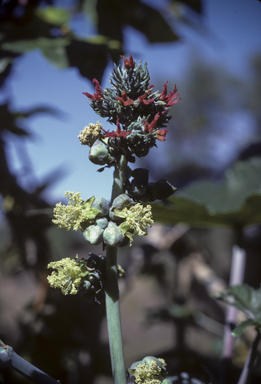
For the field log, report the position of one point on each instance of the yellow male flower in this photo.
(137, 219)
(78, 214)
(68, 276)
(91, 133)
(149, 373)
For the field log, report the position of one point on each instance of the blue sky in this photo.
(231, 33)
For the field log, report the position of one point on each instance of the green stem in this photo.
(119, 177)
(112, 290)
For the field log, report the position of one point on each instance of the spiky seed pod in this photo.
(99, 153)
(93, 234)
(97, 262)
(138, 188)
(112, 235)
(103, 206)
(160, 190)
(102, 222)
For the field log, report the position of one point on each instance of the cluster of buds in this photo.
(84, 276)
(139, 113)
(113, 226)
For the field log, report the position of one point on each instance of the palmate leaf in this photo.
(234, 201)
(136, 14)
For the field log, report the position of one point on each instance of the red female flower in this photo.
(128, 63)
(143, 98)
(124, 100)
(161, 133)
(148, 128)
(118, 132)
(98, 94)
(171, 98)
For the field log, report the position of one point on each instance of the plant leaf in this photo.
(53, 15)
(234, 201)
(240, 328)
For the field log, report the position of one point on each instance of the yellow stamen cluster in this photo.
(137, 219)
(68, 276)
(77, 214)
(149, 373)
(90, 134)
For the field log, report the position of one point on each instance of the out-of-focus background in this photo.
(50, 52)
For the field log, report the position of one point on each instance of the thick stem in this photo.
(119, 177)
(8, 358)
(112, 290)
(113, 317)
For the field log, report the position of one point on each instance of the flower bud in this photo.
(102, 222)
(112, 235)
(101, 204)
(99, 153)
(121, 200)
(93, 234)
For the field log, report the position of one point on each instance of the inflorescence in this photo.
(140, 115)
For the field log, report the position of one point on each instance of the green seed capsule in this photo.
(121, 200)
(93, 234)
(101, 204)
(99, 153)
(112, 235)
(102, 222)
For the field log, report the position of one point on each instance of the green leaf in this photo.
(240, 182)
(52, 15)
(240, 328)
(234, 201)
(91, 59)
(136, 14)
(52, 49)
(150, 22)
(248, 300)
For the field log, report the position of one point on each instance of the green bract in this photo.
(112, 235)
(93, 234)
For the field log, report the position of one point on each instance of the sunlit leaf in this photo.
(53, 15)
(234, 201)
